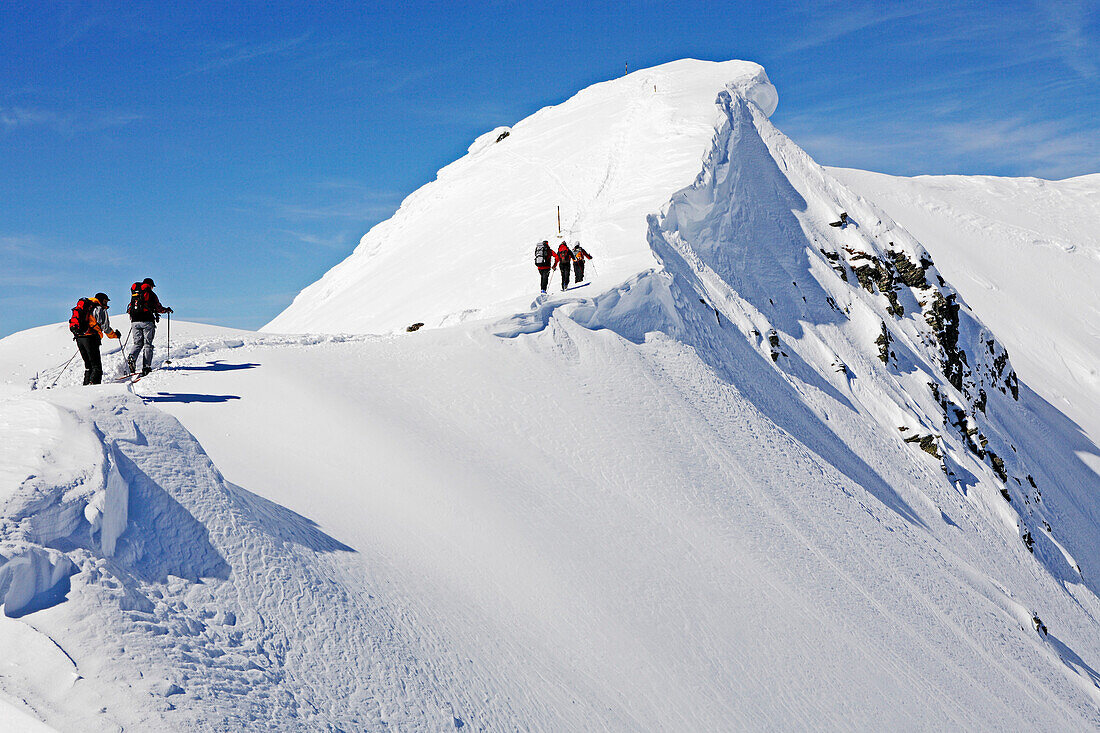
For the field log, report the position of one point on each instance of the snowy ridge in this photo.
(749, 244)
(763, 472)
(461, 247)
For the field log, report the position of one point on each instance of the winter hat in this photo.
(149, 281)
(102, 298)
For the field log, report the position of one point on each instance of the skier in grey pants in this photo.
(144, 309)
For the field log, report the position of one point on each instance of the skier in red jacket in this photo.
(565, 257)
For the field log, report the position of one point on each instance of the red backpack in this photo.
(78, 323)
(139, 298)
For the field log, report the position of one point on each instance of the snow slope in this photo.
(769, 474)
(462, 247)
(1025, 253)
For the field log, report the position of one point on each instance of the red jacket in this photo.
(554, 257)
(563, 254)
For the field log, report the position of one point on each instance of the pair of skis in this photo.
(134, 377)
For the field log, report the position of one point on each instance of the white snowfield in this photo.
(762, 473)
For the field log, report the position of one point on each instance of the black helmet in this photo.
(102, 298)
(149, 281)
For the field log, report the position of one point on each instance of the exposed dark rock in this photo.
(883, 342)
(998, 466)
(873, 272)
(927, 444)
(837, 264)
(909, 272)
(503, 135)
(980, 401)
(943, 317)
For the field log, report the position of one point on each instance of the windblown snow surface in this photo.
(758, 473)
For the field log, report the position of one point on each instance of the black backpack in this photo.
(78, 322)
(139, 308)
(542, 254)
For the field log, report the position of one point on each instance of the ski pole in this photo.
(122, 351)
(168, 359)
(63, 370)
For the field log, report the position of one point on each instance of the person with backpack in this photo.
(89, 324)
(144, 309)
(579, 256)
(543, 255)
(565, 257)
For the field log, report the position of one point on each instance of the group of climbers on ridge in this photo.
(565, 259)
(90, 324)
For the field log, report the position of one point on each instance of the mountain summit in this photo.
(461, 247)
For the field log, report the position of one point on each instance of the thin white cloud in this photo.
(1073, 42)
(23, 249)
(233, 53)
(65, 123)
(827, 22)
(337, 242)
(1017, 145)
(332, 199)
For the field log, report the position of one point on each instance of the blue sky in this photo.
(236, 151)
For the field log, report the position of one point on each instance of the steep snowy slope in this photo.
(1025, 253)
(462, 247)
(769, 474)
(652, 550)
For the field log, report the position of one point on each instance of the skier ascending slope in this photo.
(565, 257)
(543, 255)
(144, 309)
(89, 324)
(580, 254)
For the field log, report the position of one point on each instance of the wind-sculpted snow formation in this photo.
(195, 597)
(762, 472)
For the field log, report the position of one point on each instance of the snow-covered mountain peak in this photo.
(461, 247)
(766, 446)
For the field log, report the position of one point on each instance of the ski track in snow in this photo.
(680, 501)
